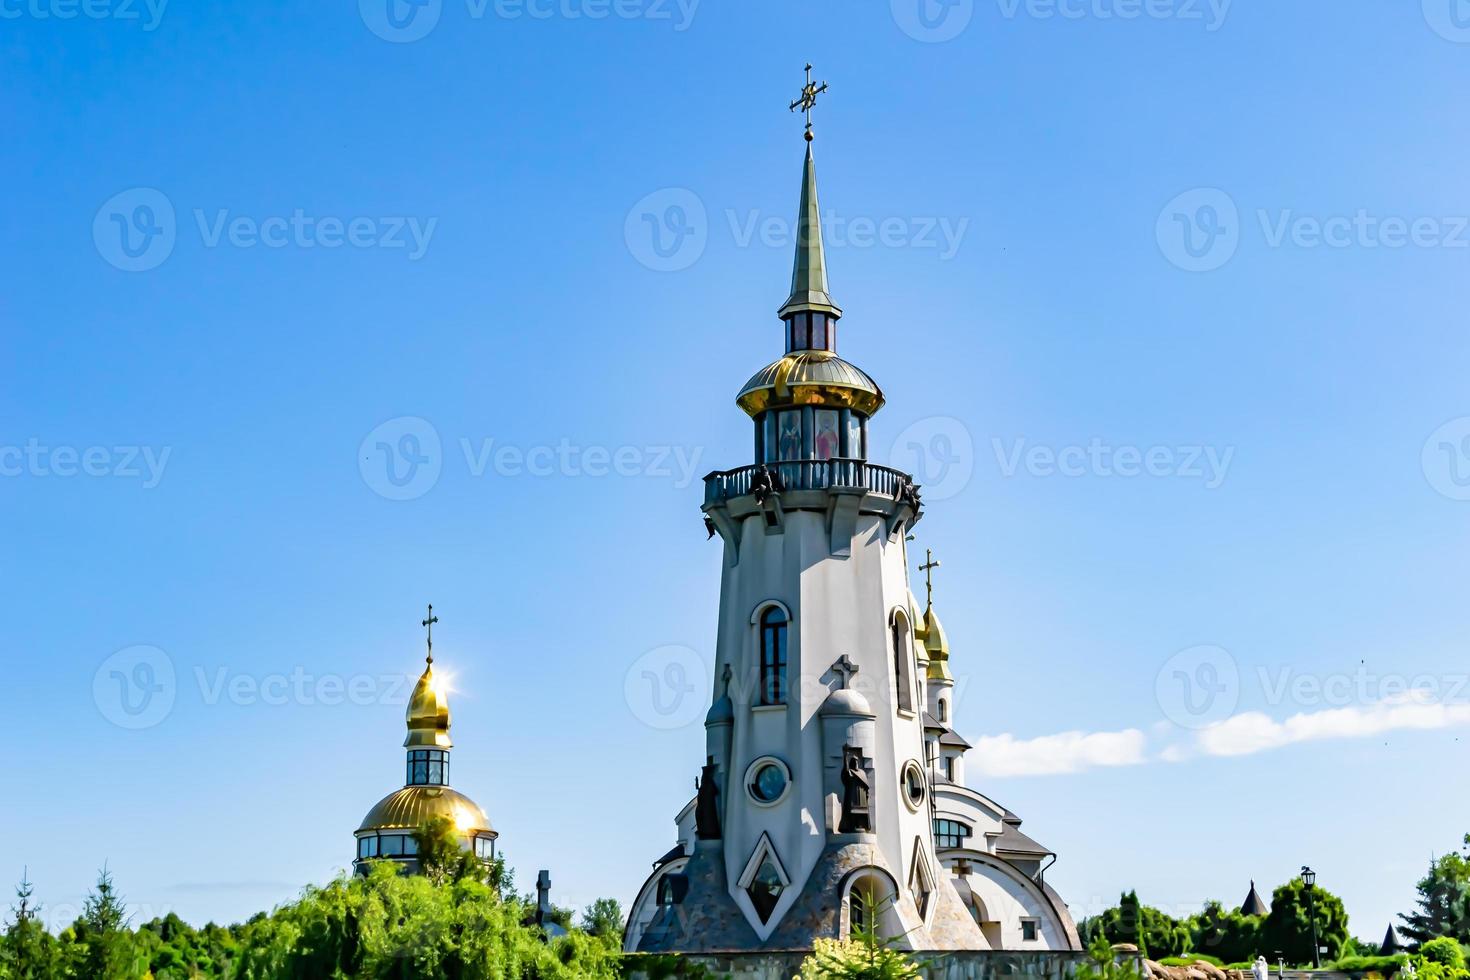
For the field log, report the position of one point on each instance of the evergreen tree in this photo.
(1155, 933)
(104, 945)
(1288, 929)
(1444, 900)
(27, 950)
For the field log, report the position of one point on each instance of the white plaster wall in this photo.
(1010, 901)
(838, 606)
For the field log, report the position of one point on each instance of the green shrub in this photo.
(1384, 965)
(1189, 958)
(1444, 951)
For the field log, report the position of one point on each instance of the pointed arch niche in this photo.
(902, 652)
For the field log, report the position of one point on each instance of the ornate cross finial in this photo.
(928, 569)
(845, 668)
(808, 100)
(428, 624)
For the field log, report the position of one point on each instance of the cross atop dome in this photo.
(428, 624)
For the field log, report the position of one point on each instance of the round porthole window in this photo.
(914, 786)
(767, 781)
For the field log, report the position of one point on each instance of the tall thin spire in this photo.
(809, 270)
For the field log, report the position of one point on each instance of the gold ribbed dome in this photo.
(428, 713)
(413, 806)
(810, 377)
(937, 643)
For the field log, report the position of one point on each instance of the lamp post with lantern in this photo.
(1309, 877)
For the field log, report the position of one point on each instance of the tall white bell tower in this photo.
(816, 805)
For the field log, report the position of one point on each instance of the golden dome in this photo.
(937, 643)
(428, 713)
(810, 377)
(413, 806)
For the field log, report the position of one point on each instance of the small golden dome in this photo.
(413, 806)
(810, 377)
(428, 713)
(937, 643)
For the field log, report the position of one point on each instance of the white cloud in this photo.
(1051, 755)
(1252, 732)
(1241, 735)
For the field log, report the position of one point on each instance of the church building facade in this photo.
(832, 793)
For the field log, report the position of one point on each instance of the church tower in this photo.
(387, 832)
(815, 807)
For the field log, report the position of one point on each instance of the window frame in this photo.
(961, 832)
(773, 651)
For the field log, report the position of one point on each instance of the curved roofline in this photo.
(1039, 888)
(483, 826)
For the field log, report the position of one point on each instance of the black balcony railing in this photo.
(809, 474)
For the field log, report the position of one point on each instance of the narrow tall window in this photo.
(902, 675)
(858, 911)
(773, 656)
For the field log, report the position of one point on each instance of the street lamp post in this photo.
(1309, 877)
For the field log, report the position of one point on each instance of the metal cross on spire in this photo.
(808, 100)
(428, 624)
(928, 569)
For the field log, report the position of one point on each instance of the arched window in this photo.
(859, 915)
(871, 900)
(903, 679)
(773, 656)
(944, 710)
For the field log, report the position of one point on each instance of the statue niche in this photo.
(856, 816)
(707, 804)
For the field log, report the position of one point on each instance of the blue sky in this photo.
(1220, 248)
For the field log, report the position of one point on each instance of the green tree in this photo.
(1444, 900)
(1155, 933)
(442, 855)
(1103, 963)
(1288, 929)
(1228, 935)
(867, 955)
(604, 919)
(27, 950)
(100, 943)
